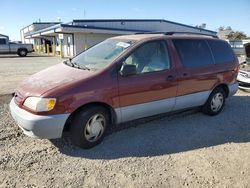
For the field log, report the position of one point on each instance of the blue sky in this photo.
(16, 14)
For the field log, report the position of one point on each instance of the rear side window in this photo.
(2, 41)
(193, 53)
(222, 51)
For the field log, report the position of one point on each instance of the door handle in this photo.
(170, 78)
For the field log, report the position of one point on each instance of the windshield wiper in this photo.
(73, 64)
(68, 62)
(84, 67)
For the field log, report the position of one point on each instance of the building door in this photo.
(152, 89)
(48, 42)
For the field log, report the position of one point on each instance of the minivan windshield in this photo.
(101, 55)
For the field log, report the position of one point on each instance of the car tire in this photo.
(89, 126)
(215, 102)
(22, 52)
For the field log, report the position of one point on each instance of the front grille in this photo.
(243, 84)
(244, 74)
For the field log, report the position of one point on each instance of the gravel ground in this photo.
(187, 149)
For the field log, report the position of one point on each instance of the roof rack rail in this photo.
(190, 33)
(150, 32)
(175, 32)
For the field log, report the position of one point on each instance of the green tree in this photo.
(236, 35)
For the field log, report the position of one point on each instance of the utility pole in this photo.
(84, 13)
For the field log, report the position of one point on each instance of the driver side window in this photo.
(150, 57)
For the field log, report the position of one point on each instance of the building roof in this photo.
(67, 28)
(101, 28)
(140, 20)
(40, 23)
(97, 26)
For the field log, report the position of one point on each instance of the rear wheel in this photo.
(22, 52)
(215, 102)
(89, 126)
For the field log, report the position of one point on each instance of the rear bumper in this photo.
(37, 126)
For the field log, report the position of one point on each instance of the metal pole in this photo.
(39, 50)
(43, 48)
(48, 49)
(54, 50)
(61, 50)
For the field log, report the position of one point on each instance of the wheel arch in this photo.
(22, 48)
(224, 87)
(110, 110)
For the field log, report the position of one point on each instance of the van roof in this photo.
(138, 36)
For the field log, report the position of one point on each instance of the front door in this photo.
(153, 88)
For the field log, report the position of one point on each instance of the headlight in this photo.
(39, 104)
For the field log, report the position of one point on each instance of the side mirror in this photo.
(128, 69)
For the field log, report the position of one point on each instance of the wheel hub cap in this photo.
(217, 102)
(94, 128)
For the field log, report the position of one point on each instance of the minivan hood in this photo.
(51, 78)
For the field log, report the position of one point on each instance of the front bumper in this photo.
(37, 126)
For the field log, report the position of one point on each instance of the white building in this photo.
(78, 35)
(28, 30)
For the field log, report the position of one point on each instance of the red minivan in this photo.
(122, 79)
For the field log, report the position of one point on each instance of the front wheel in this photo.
(88, 127)
(215, 102)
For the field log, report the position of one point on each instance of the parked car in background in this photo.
(7, 47)
(244, 76)
(247, 50)
(244, 73)
(126, 78)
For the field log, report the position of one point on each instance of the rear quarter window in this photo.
(222, 51)
(2, 41)
(194, 53)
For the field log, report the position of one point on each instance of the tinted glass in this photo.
(193, 53)
(2, 41)
(150, 57)
(222, 51)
